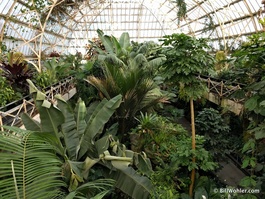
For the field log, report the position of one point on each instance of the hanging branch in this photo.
(209, 25)
(182, 9)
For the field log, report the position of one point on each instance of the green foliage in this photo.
(221, 63)
(29, 168)
(184, 154)
(247, 62)
(204, 186)
(85, 91)
(16, 71)
(78, 138)
(7, 94)
(186, 57)
(54, 70)
(168, 147)
(212, 126)
(127, 73)
(182, 9)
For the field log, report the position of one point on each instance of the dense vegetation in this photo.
(120, 135)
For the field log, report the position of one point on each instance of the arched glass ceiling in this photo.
(45, 25)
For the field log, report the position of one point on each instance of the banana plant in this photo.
(77, 135)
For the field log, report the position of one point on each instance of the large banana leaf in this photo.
(99, 188)
(29, 168)
(125, 40)
(50, 120)
(130, 182)
(106, 40)
(69, 127)
(30, 123)
(96, 122)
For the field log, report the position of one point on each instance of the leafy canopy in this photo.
(186, 58)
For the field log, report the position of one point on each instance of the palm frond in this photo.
(29, 168)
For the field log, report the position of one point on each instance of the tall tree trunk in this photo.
(193, 146)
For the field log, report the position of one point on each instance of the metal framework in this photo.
(11, 113)
(33, 31)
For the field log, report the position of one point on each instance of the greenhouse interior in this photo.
(132, 99)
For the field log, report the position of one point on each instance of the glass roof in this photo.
(66, 26)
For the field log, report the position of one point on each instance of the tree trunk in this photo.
(193, 146)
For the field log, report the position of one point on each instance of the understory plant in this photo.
(79, 140)
(16, 71)
(7, 93)
(248, 67)
(254, 137)
(216, 132)
(167, 145)
(53, 71)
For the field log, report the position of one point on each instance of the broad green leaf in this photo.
(77, 168)
(51, 118)
(106, 41)
(245, 162)
(140, 187)
(143, 164)
(262, 103)
(88, 163)
(46, 104)
(69, 131)
(247, 181)
(124, 40)
(116, 45)
(102, 144)
(80, 113)
(30, 123)
(32, 87)
(260, 135)
(252, 162)
(200, 192)
(252, 103)
(248, 145)
(185, 196)
(96, 122)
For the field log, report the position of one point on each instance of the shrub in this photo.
(7, 94)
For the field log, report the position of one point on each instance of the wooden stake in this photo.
(193, 146)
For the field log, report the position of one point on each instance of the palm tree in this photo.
(128, 73)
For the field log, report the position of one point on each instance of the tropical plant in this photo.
(7, 94)
(77, 135)
(248, 68)
(16, 71)
(168, 147)
(53, 71)
(29, 167)
(253, 149)
(126, 73)
(221, 63)
(186, 58)
(204, 186)
(246, 64)
(212, 126)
